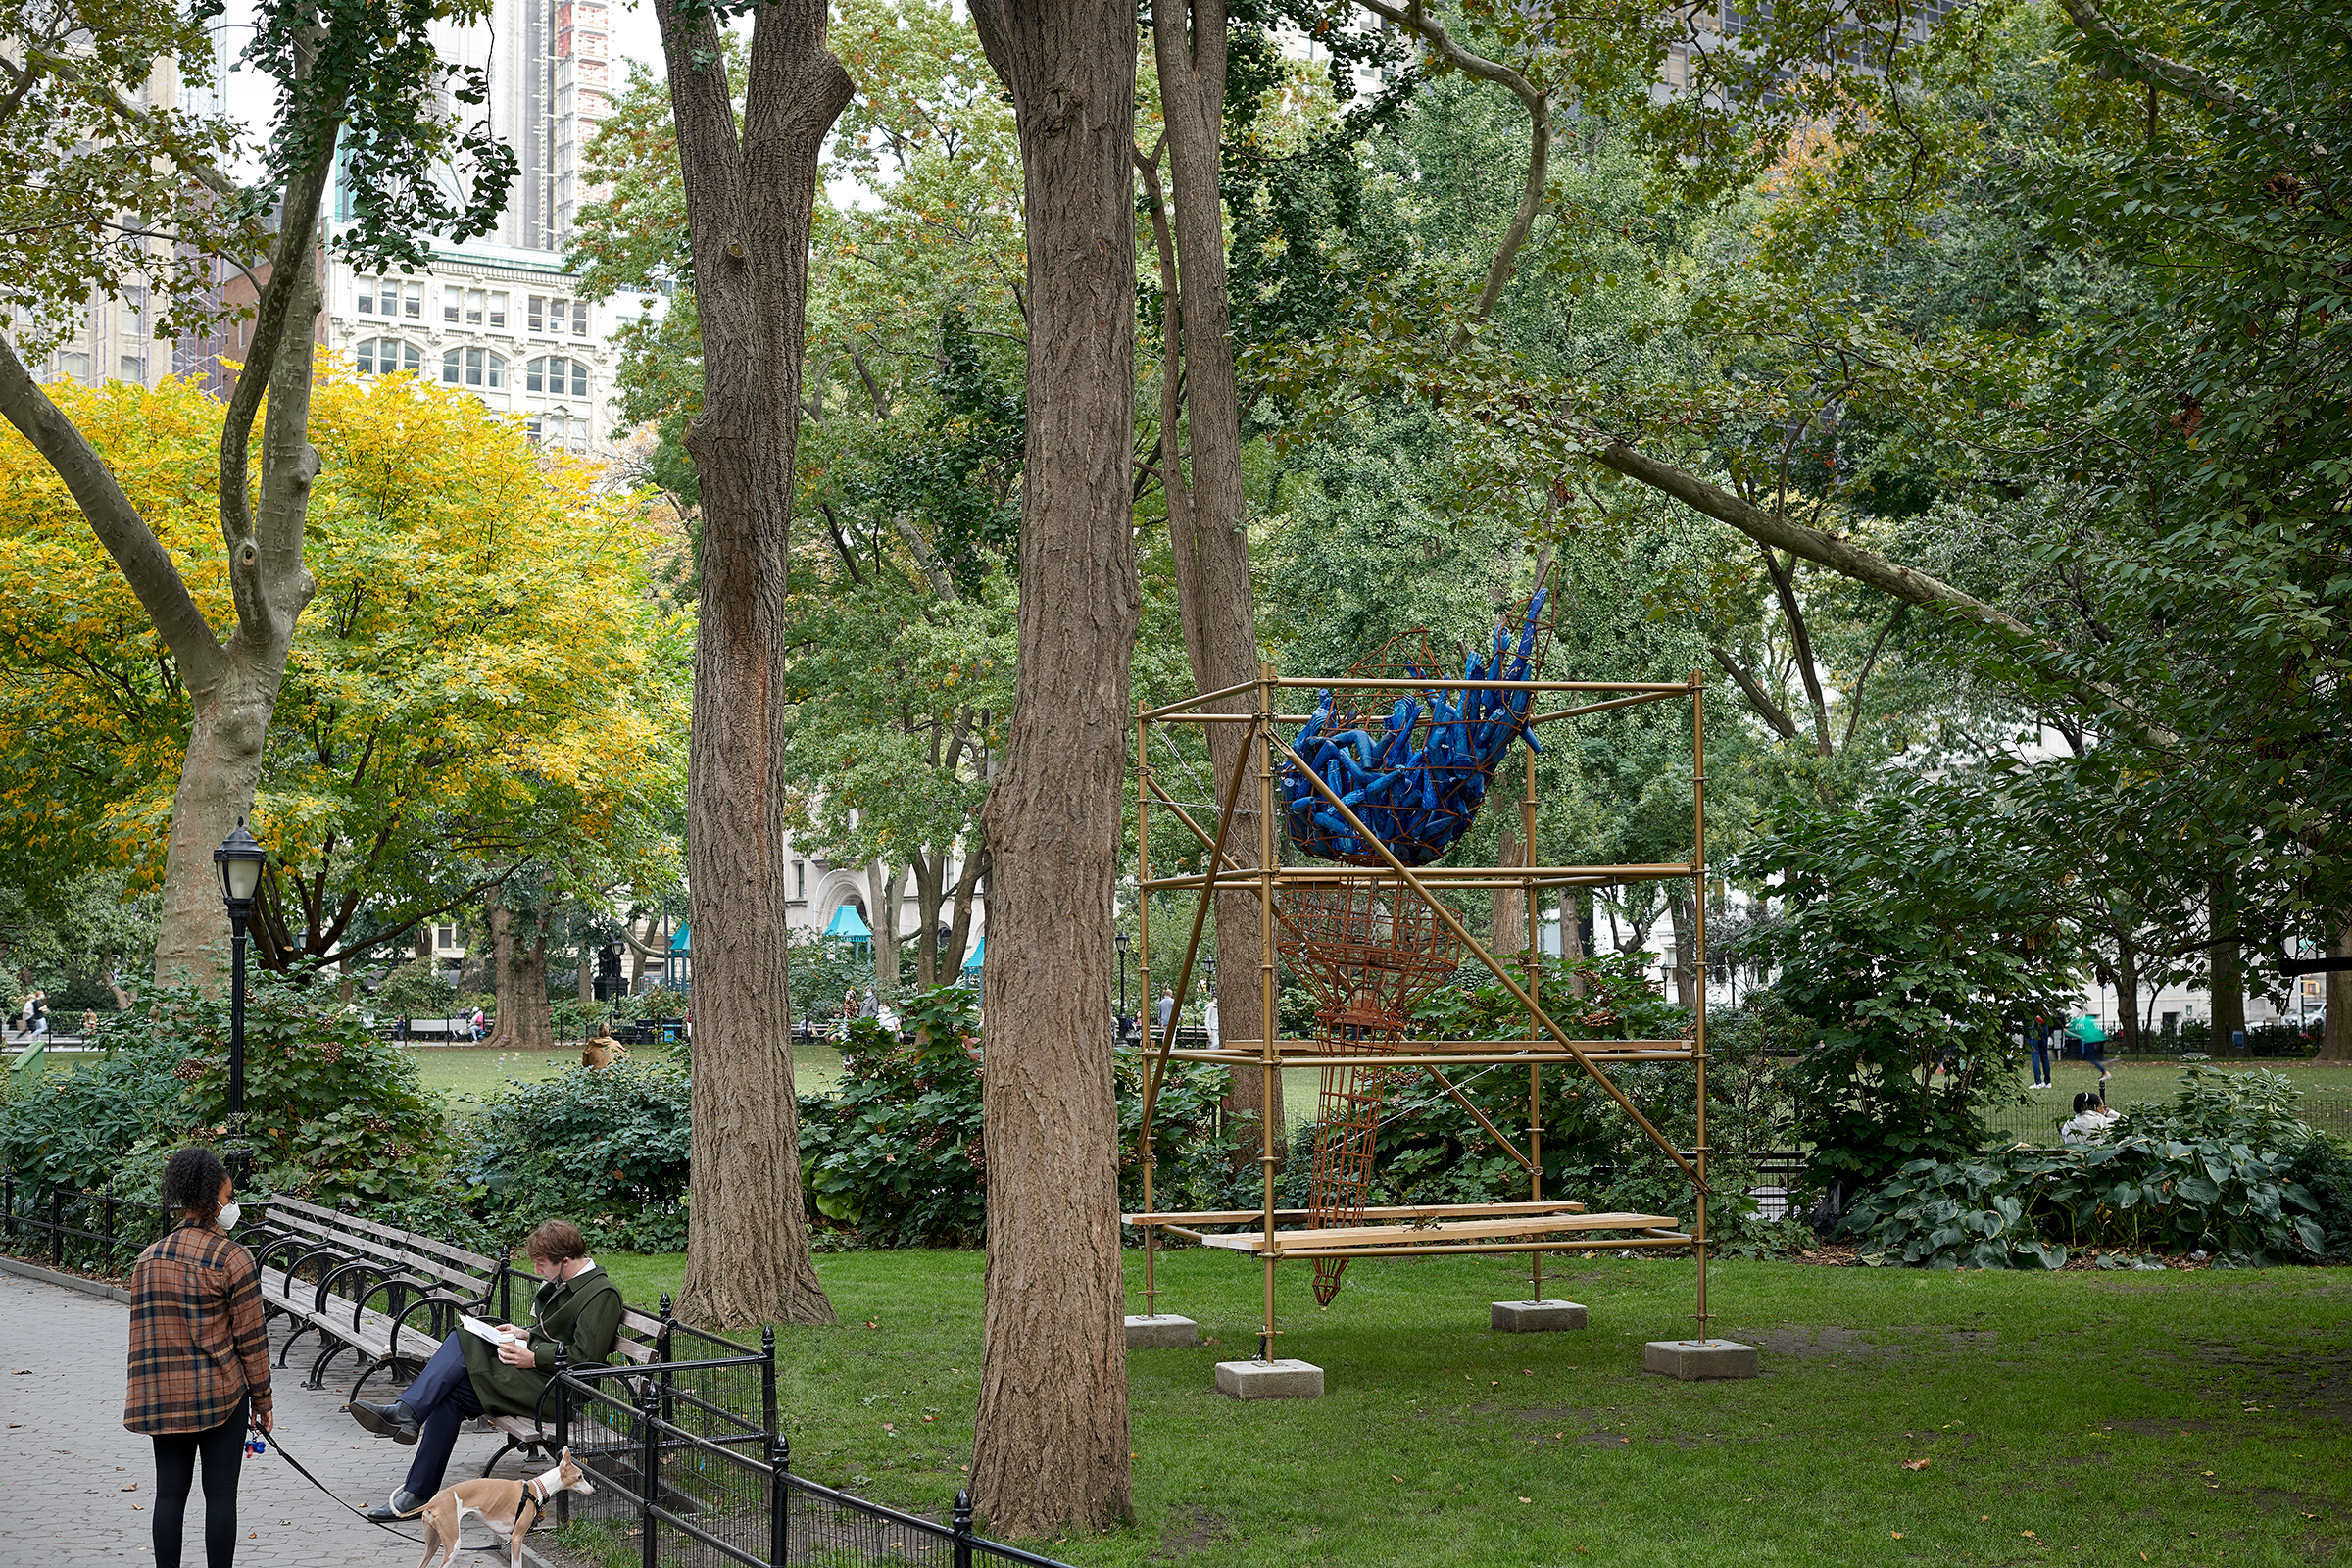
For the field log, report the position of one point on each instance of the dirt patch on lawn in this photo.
(1821, 1343)
(1189, 1531)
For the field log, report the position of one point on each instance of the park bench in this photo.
(389, 1296)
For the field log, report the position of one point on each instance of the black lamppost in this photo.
(1121, 938)
(239, 861)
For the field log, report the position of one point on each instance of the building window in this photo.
(498, 307)
(453, 304)
(72, 365)
(800, 880)
(537, 318)
(556, 376)
(557, 432)
(474, 368)
(134, 309)
(134, 368)
(579, 317)
(382, 356)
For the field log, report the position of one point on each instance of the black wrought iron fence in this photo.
(686, 1478)
(96, 1233)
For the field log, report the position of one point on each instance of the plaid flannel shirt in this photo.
(197, 1345)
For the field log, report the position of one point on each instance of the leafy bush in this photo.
(105, 1121)
(333, 1114)
(604, 1148)
(2215, 1169)
(1911, 933)
(896, 1154)
(416, 990)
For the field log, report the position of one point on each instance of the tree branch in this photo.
(145, 564)
(1758, 698)
(2044, 658)
(2182, 80)
(1415, 21)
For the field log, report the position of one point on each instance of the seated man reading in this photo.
(576, 1305)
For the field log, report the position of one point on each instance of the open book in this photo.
(486, 1330)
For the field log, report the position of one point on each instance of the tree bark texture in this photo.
(1508, 931)
(2225, 972)
(1208, 531)
(749, 200)
(885, 889)
(518, 975)
(1049, 1450)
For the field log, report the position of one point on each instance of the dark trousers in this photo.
(2042, 1061)
(443, 1398)
(223, 1448)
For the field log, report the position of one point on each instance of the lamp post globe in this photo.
(239, 861)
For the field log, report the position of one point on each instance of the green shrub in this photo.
(333, 1114)
(2218, 1169)
(414, 990)
(896, 1153)
(604, 1148)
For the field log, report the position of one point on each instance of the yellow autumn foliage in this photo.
(482, 678)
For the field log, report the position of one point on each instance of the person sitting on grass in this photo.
(577, 1305)
(2090, 1120)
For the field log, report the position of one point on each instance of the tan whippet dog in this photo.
(509, 1507)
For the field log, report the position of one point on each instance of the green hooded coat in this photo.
(583, 1314)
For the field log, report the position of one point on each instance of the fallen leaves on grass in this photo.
(1527, 1499)
(1915, 1464)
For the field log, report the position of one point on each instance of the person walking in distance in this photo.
(199, 1356)
(1167, 1010)
(2093, 1040)
(2037, 1037)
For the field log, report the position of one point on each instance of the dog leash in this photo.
(304, 1471)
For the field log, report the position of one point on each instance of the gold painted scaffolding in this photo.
(1534, 1227)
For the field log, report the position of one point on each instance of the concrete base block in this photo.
(1534, 1317)
(1690, 1359)
(1270, 1380)
(1163, 1332)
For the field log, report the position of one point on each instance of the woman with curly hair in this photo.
(199, 1356)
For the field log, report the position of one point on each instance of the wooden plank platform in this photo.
(1345, 1236)
(1244, 1216)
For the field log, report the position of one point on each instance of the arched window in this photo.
(382, 356)
(474, 368)
(556, 376)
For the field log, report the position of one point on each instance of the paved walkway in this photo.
(67, 1464)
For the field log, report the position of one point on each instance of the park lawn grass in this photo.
(467, 1076)
(2084, 1408)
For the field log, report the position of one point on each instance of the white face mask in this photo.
(230, 1213)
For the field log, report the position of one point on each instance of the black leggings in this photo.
(224, 1450)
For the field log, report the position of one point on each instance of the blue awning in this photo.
(682, 943)
(971, 959)
(848, 923)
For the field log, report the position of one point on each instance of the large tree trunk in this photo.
(1684, 926)
(968, 877)
(1209, 532)
(232, 684)
(749, 210)
(2335, 1040)
(885, 889)
(518, 975)
(1507, 931)
(930, 897)
(2224, 975)
(1049, 1450)
(2127, 993)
